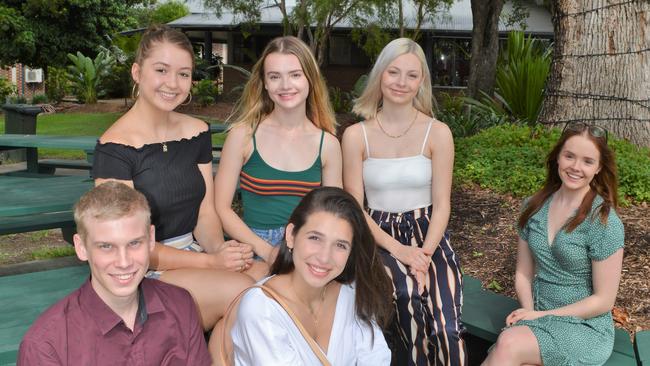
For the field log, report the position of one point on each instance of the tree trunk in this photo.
(485, 46)
(601, 67)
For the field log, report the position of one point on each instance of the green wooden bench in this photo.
(642, 347)
(49, 166)
(30, 202)
(484, 313)
(25, 297)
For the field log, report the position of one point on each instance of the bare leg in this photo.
(515, 346)
(258, 270)
(212, 290)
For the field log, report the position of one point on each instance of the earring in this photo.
(290, 250)
(135, 91)
(190, 100)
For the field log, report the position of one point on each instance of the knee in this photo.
(504, 348)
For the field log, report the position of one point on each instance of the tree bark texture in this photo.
(601, 67)
(485, 46)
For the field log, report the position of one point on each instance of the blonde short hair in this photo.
(109, 201)
(370, 100)
(255, 103)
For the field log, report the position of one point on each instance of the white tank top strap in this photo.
(426, 137)
(365, 139)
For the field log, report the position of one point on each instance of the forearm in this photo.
(164, 257)
(437, 226)
(208, 233)
(381, 237)
(586, 308)
(524, 291)
(235, 227)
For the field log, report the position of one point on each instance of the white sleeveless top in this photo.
(397, 184)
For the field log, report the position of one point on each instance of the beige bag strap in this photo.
(312, 343)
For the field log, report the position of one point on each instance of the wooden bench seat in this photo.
(30, 202)
(484, 314)
(49, 166)
(25, 297)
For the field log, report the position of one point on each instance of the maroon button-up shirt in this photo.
(82, 330)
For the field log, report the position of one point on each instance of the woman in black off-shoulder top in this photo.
(168, 157)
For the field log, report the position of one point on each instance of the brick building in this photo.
(28, 82)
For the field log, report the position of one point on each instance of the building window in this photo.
(342, 51)
(450, 61)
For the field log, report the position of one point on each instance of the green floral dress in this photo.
(563, 277)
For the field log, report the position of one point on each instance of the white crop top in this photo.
(397, 184)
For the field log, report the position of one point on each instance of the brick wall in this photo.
(28, 90)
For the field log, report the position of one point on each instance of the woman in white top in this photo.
(328, 272)
(404, 158)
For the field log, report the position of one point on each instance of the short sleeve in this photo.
(205, 148)
(605, 239)
(258, 335)
(112, 161)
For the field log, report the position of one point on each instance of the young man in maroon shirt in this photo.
(117, 317)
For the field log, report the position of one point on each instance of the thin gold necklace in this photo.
(401, 134)
(314, 314)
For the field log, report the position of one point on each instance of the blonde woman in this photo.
(280, 146)
(400, 159)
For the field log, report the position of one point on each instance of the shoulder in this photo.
(440, 130)
(240, 133)
(119, 132)
(190, 126)
(353, 135)
(255, 304)
(331, 143)
(50, 324)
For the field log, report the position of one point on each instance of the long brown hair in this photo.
(372, 286)
(604, 183)
(255, 103)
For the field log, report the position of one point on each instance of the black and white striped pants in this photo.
(427, 330)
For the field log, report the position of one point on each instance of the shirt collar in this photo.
(149, 302)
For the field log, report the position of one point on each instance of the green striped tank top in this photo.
(269, 195)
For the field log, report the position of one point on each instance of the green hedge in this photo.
(511, 159)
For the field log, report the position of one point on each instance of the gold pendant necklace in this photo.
(401, 134)
(164, 145)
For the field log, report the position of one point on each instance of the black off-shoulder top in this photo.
(171, 180)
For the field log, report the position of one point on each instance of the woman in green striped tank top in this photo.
(280, 146)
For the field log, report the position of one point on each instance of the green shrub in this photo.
(86, 75)
(56, 85)
(39, 99)
(521, 76)
(463, 119)
(205, 92)
(6, 89)
(511, 159)
(341, 100)
(17, 99)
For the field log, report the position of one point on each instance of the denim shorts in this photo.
(271, 236)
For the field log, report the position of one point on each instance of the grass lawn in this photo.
(81, 124)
